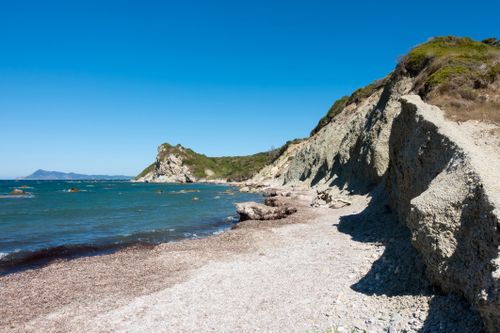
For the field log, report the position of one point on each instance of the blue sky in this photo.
(95, 86)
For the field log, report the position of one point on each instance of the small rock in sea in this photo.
(17, 191)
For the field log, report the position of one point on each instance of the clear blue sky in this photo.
(95, 86)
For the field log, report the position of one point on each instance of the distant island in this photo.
(57, 175)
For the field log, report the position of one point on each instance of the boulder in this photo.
(256, 211)
(272, 192)
(274, 202)
(330, 197)
(245, 189)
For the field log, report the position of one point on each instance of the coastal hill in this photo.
(422, 143)
(183, 165)
(57, 175)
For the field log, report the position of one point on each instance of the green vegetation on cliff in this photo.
(148, 169)
(232, 168)
(458, 74)
(344, 101)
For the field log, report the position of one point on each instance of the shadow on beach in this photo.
(400, 270)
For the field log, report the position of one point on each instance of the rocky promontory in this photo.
(177, 164)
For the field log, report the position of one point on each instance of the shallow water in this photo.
(51, 221)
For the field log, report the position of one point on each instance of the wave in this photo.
(232, 218)
(16, 196)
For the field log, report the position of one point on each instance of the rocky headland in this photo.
(178, 164)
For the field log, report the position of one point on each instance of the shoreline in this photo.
(301, 273)
(21, 260)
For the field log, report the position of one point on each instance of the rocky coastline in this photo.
(281, 263)
(384, 220)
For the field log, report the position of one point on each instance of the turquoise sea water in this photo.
(52, 222)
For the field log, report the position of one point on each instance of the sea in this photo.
(65, 219)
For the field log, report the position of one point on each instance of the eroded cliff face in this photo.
(168, 168)
(439, 177)
(440, 184)
(350, 152)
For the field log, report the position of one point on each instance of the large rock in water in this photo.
(256, 211)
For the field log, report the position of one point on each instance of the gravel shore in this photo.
(318, 270)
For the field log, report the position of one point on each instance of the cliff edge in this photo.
(426, 139)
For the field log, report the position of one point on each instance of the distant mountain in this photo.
(56, 175)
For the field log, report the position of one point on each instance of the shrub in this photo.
(444, 74)
(453, 48)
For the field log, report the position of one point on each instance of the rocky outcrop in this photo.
(273, 174)
(178, 164)
(256, 211)
(168, 168)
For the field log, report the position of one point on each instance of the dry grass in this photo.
(464, 110)
(459, 75)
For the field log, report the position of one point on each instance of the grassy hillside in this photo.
(232, 168)
(460, 75)
(144, 172)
